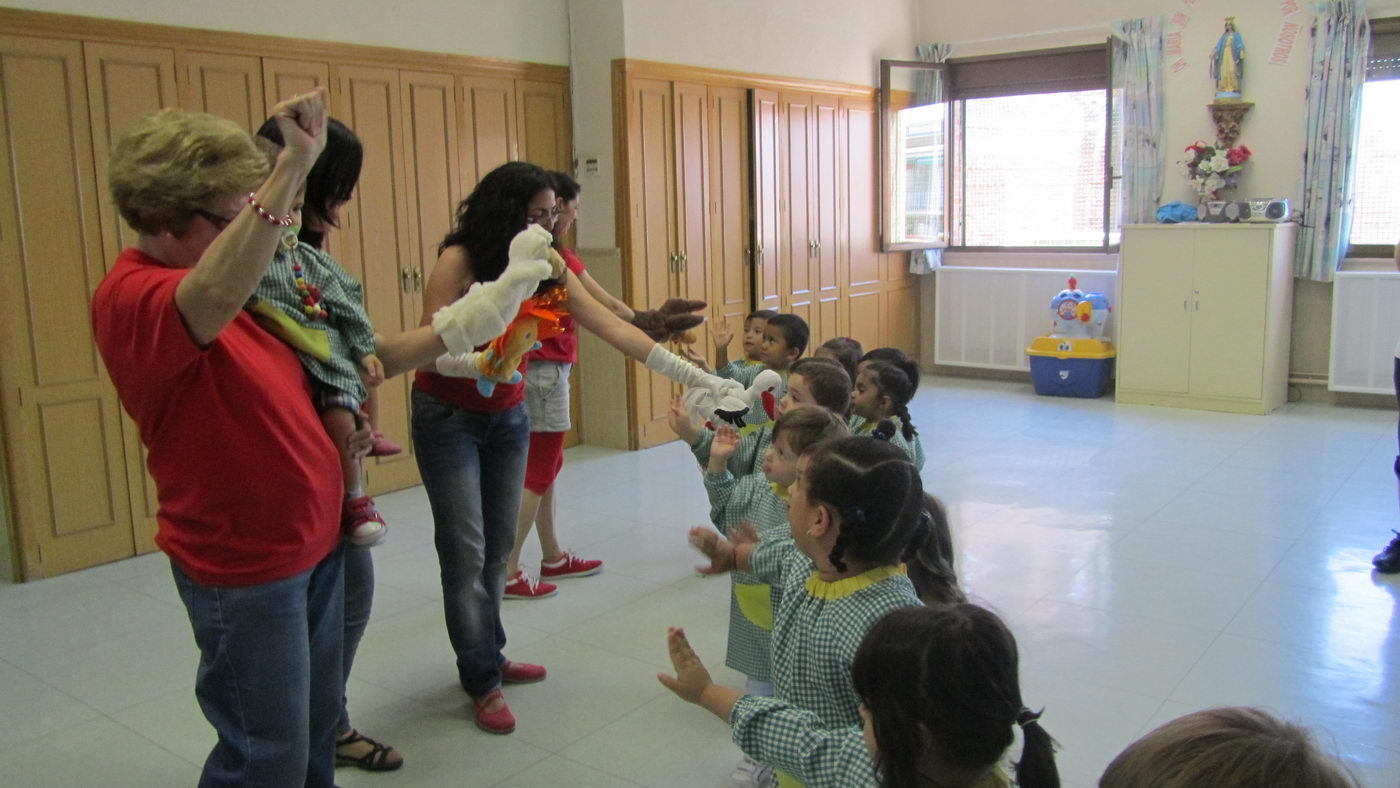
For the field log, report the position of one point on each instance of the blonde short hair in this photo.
(1237, 747)
(171, 163)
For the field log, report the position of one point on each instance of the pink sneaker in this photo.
(498, 721)
(522, 586)
(361, 522)
(570, 566)
(521, 673)
(383, 447)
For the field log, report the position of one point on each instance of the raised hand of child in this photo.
(722, 334)
(374, 370)
(726, 443)
(715, 547)
(743, 533)
(691, 679)
(680, 423)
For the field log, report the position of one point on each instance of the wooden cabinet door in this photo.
(230, 86)
(284, 78)
(651, 244)
(730, 233)
(796, 251)
(766, 196)
(376, 248)
(542, 117)
(62, 422)
(486, 132)
(690, 103)
(1229, 306)
(859, 261)
(124, 84)
(826, 217)
(1154, 310)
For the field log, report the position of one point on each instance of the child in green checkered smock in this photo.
(946, 675)
(864, 540)
(313, 304)
(915, 450)
(882, 393)
(745, 368)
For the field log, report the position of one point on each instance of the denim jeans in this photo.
(359, 599)
(473, 468)
(269, 675)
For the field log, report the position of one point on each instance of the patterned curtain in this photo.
(928, 89)
(1341, 38)
(1138, 72)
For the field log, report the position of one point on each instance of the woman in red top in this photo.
(247, 479)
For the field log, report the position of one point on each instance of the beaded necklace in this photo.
(310, 294)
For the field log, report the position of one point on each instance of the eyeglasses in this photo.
(218, 222)
(540, 215)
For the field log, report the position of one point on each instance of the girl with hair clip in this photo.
(880, 402)
(940, 696)
(865, 540)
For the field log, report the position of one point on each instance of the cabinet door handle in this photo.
(405, 279)
(685, 258)
(417, 281)
(760, 254)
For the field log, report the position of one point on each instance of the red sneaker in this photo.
(570, 566)
(522, 586)
(383, 447)
(521, 673)
(361, 522)
(498, 721)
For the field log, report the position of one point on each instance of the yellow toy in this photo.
(540, 317)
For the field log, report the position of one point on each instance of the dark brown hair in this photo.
(795, 331)
(847, 352)
(893, 382)
(830, 385)
(808, 426)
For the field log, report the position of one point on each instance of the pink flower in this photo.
(1239, 155)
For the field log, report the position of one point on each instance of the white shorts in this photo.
(547, 395)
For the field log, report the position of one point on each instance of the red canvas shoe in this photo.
(383, 447)
(570, 566)
(499, 721)
(522, 586)
(360, 521)
(521, 673)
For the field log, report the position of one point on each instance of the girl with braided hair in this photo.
(940, 700)
(881, 394)
(865, 540)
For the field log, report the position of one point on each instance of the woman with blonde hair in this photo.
(248, 481)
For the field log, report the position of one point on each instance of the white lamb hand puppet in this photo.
(488, 307)
(728, 402)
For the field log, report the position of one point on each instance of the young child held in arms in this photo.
(940, 699)
(760, 501)
(844, 351)
(881, 393)
(309, 301)
(746, 368)
(864, 540)
(1234, 747)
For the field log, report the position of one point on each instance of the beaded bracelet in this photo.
(265, 215)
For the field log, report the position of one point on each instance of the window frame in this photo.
(1390, 28)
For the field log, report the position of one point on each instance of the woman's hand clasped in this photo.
(302, 121)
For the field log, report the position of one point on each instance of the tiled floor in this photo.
(1151, 562)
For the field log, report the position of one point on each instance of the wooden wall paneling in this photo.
(124, 84)
(766, 196)
(62, 424)
(794, 206)
(862, 274)
(230, 86)
(826, 216)
(377, 249)
(901, 316)
(730, 233)
(283, 78)
(487, 131)
(691, 107)
(543, 120)
(652, 241)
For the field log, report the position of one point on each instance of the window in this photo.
(1375, 218)
(1017, 157)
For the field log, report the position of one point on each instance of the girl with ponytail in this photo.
(882, 393)
(864, 540)
(940, 700)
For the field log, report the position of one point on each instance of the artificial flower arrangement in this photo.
(1211, 168)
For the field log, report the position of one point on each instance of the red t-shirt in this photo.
(248, 480)
(562, 348)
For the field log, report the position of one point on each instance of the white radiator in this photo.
(1365, 327)
(986, 317)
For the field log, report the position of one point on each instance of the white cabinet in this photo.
(1203, 315)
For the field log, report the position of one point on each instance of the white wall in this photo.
(531, 30)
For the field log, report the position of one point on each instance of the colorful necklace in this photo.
(310, 294)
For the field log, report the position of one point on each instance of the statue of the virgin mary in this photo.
(1227, 62)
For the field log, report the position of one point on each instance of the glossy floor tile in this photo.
(1151, 561)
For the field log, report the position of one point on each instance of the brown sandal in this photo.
(376, 760)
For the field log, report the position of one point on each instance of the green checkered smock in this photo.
(752, 499)
(748, 459)
(775, 732)
(347, 327)
(819, 625)
(915, 448)
(743, 370)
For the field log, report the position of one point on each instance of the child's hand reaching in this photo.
(715, 547)
(691, 679)
(726, 443)
(374, 370)
(680, 423)
(722, 334)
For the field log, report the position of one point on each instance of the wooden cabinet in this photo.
(729, 208)
(766, 188)
(230, 86)
(1203, 316)
(487, 123)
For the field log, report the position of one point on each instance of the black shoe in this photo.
(1387, 561)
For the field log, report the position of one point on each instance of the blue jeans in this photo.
(473, 468)
(269, 675)
(359, 599)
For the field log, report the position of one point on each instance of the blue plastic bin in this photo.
(1063, 367)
